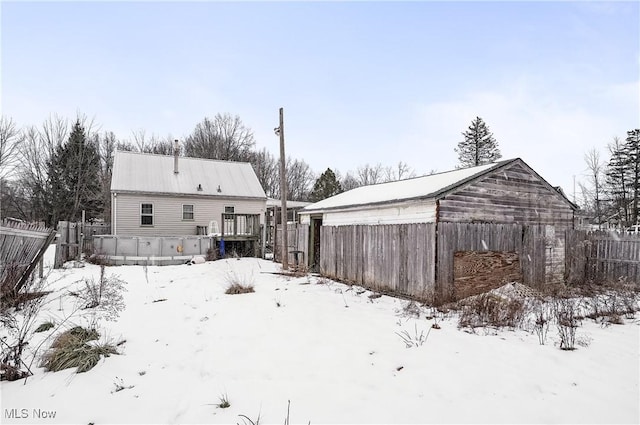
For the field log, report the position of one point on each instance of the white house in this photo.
(159, 195)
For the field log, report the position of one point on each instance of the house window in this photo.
(187, 212)
(146, 214)
(229, 210)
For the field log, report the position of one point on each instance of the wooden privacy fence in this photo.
(22, 246)
(418, 259)
(601, 257)
(395, 258)
(74, 239)
(297, 243)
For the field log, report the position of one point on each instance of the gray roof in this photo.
(147, 173)
(433, 186)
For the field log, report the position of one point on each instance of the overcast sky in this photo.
(360, 82)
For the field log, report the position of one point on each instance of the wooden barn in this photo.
(447, 235)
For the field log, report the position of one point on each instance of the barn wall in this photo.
(167, 213)
(515, 195)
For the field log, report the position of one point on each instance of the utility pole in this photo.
(283, 194)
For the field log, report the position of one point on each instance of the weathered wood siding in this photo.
(167, 213)
(476, 272)
(527, 241)
(398, 258)
(602, 257)
(423, 211)
(514, 195)
(298, 240)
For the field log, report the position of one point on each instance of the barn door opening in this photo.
(314, 244)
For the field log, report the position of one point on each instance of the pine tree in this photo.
(325, 186)
(632, 148)
(74, 179)
(478, 147)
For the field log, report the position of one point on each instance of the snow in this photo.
(328, 348)
(400, 190)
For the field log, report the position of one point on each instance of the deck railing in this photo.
(246, 225)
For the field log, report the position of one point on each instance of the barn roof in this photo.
(148, 173)
(425, 187)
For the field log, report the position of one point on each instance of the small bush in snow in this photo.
(541, 322)
(236, 288)
(238, 284)
(103, 296)
(224, 402)
(491, 310)
(567, 319)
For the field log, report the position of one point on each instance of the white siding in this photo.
(167, 213)
(406, 212)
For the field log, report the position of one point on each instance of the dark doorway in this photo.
(314, 245)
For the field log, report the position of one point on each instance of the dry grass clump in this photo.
(491, 310)
(238, 284)
(237, 288)
(71, 349)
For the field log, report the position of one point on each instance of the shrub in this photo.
(567, 319)
(71, 349)
(212, 254)
(104, 295)
(491, 310)
(238, 284)
(224, 402)
(237, 288)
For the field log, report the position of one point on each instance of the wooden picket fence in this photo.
(74, 239)
(602, 257)
(297, 243)
(22, 246)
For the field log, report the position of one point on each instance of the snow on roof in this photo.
(271, 202)
(417, 187)
(136, 172)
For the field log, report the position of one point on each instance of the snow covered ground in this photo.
(329, 349)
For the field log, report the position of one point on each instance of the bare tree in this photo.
(368, 174)
(300, 179)
(402, 170)
(35, 152)
(10, 137)
(9, 140)
(593, 191)
(266, 168)
(224, 137)
(143, 144)
(348, 182)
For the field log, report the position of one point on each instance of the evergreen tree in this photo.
(74, 178)
(478, 147)
(325, 186)
(632, 148)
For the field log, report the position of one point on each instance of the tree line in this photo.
(611, 190)
(54, 171)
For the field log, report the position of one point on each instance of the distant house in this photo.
(158, 195)
(506, 192)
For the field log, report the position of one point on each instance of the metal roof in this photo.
(414, 188)
(148, 173)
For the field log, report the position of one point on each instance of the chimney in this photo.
(176, 153)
